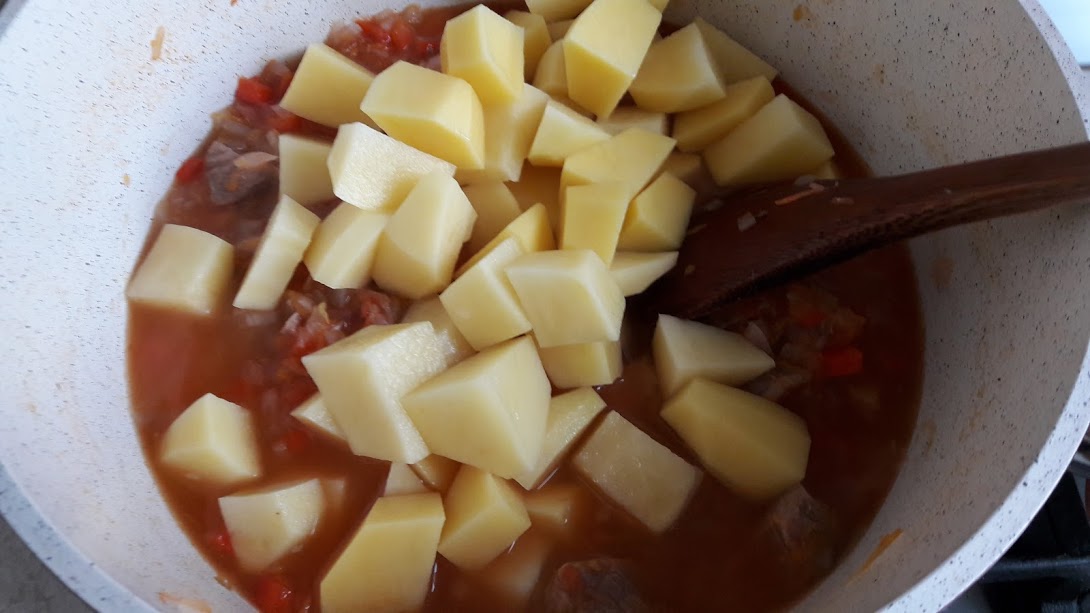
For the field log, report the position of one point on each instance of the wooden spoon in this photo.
(759, 238)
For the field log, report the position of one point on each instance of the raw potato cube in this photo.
(433, 112)
(827, 171)
(436, 472)
(632, 157)
(327, 88)
(552, 76)
(684, 350)
(781, 141)
(484, 516)
(402, 480)
(214, 442)
(696, 129)
(557, 10)
(735, 62)
(554, 508)
(508, 131)
(561, 133)
(658, 218)
(496, 207)
(279, 252)
(489, 411)
(627, 117)
(514, 575)
(678, 74)
(482, 304)
(267, 524)
(604, 49)
(584, 364)
(387, 565)
(689, 167)
(637, 473)
(343, 248)
(535, 39)
(591, 217)
(376, 172)
(314, 414)
(363, 378)
(418, 248)
(487, 51)
(559, 29)
(568, 296)
(635, 272)
(569, 416)
(455, 346)
(185, 270)
(539, 186)
(304, 175)
(531, 230)
(754, 446)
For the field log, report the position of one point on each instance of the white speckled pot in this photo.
(91, 130)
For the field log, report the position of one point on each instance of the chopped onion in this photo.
(254, 160)
(746, 221)
(756, 335)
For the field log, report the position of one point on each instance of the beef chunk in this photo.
(233, 176)
(602, 585)
(801, 532)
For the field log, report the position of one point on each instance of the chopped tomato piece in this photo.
(221, 543)
(842, 362)
(253, 91)
(286, 123)
(190, 169)
(401, 36)
(374, 32)
(425, 48)
(273, 595)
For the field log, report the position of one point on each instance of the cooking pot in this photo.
(100, 102)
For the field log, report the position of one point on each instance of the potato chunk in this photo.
(559, 29)
(539, 186)
(689, 167)
(431, 310)
(402, 480)
(531, 230)
(569, 416)
(561, 133)
(363, 378)
(287, 235)
(304, 175)
(482, 304)
(658, 217)
(267, 524)
(376, 172)
(696, 129)
(488, 411)
(535, 39)
(584, 364)
(632, 158)
(487, 51)
(557, 10)
(684, 350)
(635, 272)
(496, 207)
(420, 244)
(314, 415)
(436, 472)
(387, 564)
(186, 270)
(637, 473)
(735, 62)
(552, 76)
(604, 49)
(554, 508)
(627, 117)
(342, 251)
(781, 141)
(678, 74)
(514, 575)
(327, 88)
(214, 442)
(568, 296)
(591, 217)
(754, 446)
(508, 132)
(484, 516)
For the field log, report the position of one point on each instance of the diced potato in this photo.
(508, 131)
(402, 480)
(684, 350)
(455, 346)
(314, 414)
(375, 172)
(689, 167)
(735, 62)
(561, 133)
(488, 411)
(632, 157)
(482, 304)
(627, 117)
(661, 6)
(696, 129)
(431, 111)
(304, 175)
(827, 171)
(754, 446)
(327, 88)
(387, 564)
(552, 76)
(781, 141)
(418, 248)
(637, 473)
(635, 272)
(514, 575)
(214, 442)
(604, 49)
(342, 251)
(287, 235)
(591, 217)
(487, 51)
(584, 364)
(569, 416)
(363, 378)
(568, 296)
(557, 10)
(531, 230)
(559, 29)
(539, 186)
(658, 217)
(554, 508)
(484, 516)
(186, 270)
(267, 524)
(436, 472)
(496, 207)
(678, 74)
(535, 39)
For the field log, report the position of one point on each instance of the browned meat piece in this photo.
(602, 585)
(801, 532)
(233, 176)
